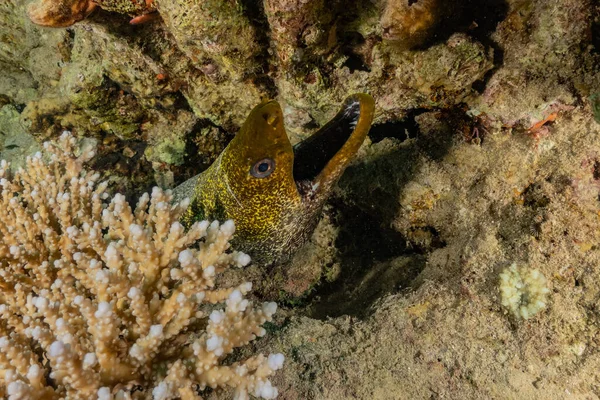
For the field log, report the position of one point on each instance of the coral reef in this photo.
(484, 149)
(131, 7)
(463, 209)
(297, 25)
(218, 59)
(215, 33)
(118, 301)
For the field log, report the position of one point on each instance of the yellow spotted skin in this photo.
(273, 218)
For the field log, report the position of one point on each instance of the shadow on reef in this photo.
(478, 18)
(375, 262)
(401, 130)
(375, 259)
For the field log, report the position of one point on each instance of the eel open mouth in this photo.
(333, 145)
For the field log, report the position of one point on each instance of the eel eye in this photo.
(263, 168)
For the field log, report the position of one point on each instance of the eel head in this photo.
(262, 159)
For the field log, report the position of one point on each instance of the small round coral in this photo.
(523, 290)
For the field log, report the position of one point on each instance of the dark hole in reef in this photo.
(479, 85)
(477, 17)
(411, 2)
(181, 102)
(355, 63)
(498, 60)
(596, 172)
(352, 42)
(534, 197)
(310, 125)
(375, 262)
(486, 14)
(596, 35)
(402, 130)
(203, 136)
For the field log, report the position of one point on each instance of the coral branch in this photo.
(106, 293)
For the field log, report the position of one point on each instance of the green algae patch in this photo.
(15, 142)
(595, 103)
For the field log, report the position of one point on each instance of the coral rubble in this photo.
(100, 300)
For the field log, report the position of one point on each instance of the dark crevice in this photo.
(595, 32)
(498, 60)
(534, 197)
(203, 145)
(112, 160)
(401, 130)
(375, 261)
(479, 19)
(115, 23)
(352, 41)
(181, 103)
(255, 12)
(596, 171)
(355, 63)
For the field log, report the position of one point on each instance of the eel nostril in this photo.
(271, 119)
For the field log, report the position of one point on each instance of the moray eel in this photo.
(273, 191)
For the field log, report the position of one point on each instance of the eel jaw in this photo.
(320, 159)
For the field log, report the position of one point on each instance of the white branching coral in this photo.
(523, 290)
(99, 300)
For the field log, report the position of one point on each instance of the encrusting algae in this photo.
(99, 300)
(272, 190)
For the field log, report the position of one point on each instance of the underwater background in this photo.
(458, 255)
